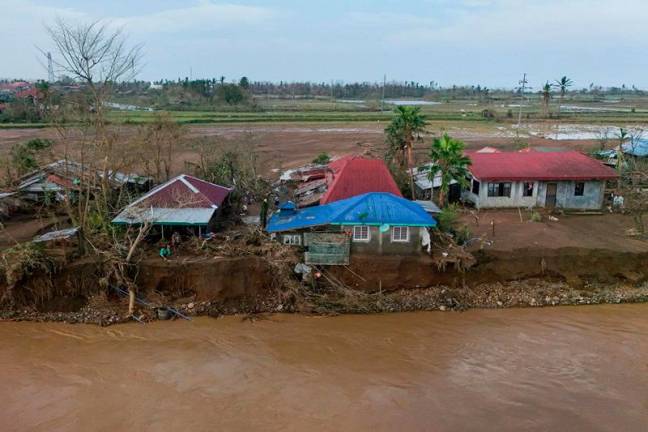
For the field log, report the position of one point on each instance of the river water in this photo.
(560, 369)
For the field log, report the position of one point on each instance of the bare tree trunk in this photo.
(131, 301)
(410, 162)
(143, 230)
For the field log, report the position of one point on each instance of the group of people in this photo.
(166, 247)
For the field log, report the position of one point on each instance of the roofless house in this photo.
(184, 202)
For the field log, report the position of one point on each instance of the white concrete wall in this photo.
(592, 198)
(515, 200)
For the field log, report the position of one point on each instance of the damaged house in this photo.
(54, 181)
(567, 180)
(184, 202)
(371, 223)
(344, 178)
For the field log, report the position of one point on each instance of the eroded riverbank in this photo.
(568, 368)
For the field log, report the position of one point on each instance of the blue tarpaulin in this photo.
(374, 208)
(638, 148)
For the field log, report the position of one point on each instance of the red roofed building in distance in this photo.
(568, 180)
(354, 175)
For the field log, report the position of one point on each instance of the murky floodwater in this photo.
(561, 369)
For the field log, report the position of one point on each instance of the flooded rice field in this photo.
(567, 368)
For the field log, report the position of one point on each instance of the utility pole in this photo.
(523, 84)
(382, 103)
(50, 68)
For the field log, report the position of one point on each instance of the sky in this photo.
(487, 42)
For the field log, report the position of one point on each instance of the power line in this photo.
(50, 68)
(523, 84)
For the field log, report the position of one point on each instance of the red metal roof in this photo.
(184, 191)
(571, 165)
(356, 176)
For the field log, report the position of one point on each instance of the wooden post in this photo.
(493, 226)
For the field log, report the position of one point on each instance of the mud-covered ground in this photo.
(287, 145)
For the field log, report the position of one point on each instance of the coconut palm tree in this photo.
(546, 97)
(405, 129)
(563, 84)
(448, 159)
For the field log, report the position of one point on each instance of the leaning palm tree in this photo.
(546, 97)
(448, 159)
(563, 84)
(405, 129)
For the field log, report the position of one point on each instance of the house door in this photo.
(550, 197)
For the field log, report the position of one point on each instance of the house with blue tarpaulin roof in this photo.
(375, 222)
(636, 148)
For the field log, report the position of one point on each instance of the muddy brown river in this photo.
(558, 369)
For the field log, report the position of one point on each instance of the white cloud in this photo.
(554, 22)
(202, 16)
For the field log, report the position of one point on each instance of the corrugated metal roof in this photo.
(57, 235)
(165, 216)
(428, 206)
(183, 200)
(422, 179)
(517, 166)
(356, 176)
(184, 191)
(375, 208)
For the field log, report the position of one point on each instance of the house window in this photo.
(292, 239)
(499, 190)
(361, 233)
(400, 234)
(475, 187)
(579, 189)
(527, 190)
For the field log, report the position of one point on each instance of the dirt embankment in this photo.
(576, 266)
(525, 277)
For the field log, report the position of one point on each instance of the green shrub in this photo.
(322, 159)
(536, 217)
(447, 219)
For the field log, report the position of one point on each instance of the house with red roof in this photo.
(354, 175)
(184, 201)
(567, 180)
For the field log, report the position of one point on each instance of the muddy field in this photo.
(288, 145)
(514, 230)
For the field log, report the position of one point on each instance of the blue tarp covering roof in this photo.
(374, 208)
(638, 148)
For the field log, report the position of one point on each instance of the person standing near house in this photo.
(264, 213)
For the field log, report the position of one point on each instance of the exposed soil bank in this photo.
(573, 265)
(251, 284)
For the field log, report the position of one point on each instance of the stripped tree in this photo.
(563, 85)
(546, 98)
(96, 56)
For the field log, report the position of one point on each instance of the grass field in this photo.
(576, 109)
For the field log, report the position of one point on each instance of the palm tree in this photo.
(546, 97)
(563, 84)
(404, 130)
(448, 159)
